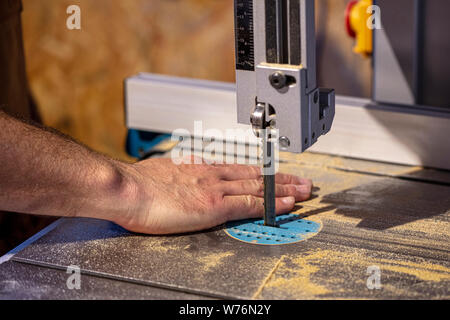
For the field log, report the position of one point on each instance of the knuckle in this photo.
(194, 180)
(256, 171)
(214, 174)
(207, 181)
(280, 178)
(291, 179)
(291, 190)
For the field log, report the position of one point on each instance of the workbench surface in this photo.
(393, 217)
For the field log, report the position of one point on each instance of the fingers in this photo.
(256, 188)
(283, 178)
(246, 207)
(239, 172)
(243, 172)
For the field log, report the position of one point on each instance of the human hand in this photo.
(169, 198)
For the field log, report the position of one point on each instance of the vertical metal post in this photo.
(269, 178)
(262, 124)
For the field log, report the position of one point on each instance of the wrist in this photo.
(118, 192)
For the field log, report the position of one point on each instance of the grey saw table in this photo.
(389, 216)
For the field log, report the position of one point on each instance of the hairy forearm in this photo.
(45, 173)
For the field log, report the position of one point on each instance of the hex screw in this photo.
(278, 80)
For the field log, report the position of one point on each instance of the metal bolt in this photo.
(285, 142)
(278, 80)
(257, 118)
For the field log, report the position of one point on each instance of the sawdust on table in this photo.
(429, 227)
(299, 281)
(422, 233)
(297, 277)
(348, 181)
(344, 180)
(206, 262)
(213, 260)
(317, 160)
(161, 245)
(423, 271)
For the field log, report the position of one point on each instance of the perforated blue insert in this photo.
(291, 229)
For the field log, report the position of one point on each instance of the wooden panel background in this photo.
(77, 76)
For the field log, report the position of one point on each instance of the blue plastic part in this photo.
(291, 229)
(138, 145)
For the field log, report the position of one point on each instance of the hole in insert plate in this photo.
(292, 229)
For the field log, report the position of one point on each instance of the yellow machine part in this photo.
(360, 16)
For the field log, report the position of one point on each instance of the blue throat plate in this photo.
(291, 229)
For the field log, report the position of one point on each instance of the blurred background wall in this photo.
(77, 76)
